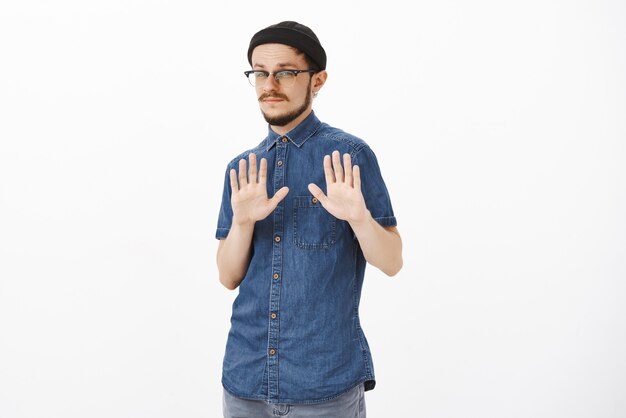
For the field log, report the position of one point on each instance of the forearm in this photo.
(381, 247)
(233, 255)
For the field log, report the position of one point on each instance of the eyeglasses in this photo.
(285, 78)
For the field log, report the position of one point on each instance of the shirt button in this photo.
(277, 238)
(275, 276)
(274, 315)
(314, 200)
(272, 352)
(284, 139)
(280, 163)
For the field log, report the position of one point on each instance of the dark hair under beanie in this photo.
(293, 34)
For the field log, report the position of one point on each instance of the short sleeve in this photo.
(225, 217)
(373, 188)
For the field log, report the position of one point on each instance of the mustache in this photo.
(275, 95)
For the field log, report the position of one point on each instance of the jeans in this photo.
(349, 405)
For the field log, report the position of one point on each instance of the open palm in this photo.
(344, 199)
(249, 195)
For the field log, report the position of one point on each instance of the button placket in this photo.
(277, 267)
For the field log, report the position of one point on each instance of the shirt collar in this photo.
(297, 135)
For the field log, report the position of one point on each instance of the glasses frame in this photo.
(274, 73)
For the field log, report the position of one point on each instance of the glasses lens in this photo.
(257, 77)
(285, 78)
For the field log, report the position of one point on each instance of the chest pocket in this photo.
(313, 227)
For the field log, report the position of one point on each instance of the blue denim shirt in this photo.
(295, 333)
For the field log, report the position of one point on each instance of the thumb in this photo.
(279, 195)
(317, 192)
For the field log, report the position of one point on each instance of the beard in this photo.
(282, 120)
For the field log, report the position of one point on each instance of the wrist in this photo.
(361, 221)
(243, 223)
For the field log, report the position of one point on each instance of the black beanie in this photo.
(293, 34)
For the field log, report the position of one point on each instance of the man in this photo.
(298, 257)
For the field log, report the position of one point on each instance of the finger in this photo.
(252, 170)
(337, 167)
(233, 180)
(328, 170)
(317, 193)
(263, 171)
(242, 173)
(279, 195)
(347, 166)
(356, 173)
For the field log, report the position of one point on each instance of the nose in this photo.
(270, 83)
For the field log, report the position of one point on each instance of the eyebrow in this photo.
(280, 65)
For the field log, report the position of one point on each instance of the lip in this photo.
(272, 100)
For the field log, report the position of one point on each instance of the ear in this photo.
(319, 79)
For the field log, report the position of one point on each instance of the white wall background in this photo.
(500, 129)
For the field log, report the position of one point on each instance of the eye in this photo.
(284, 75)
(260, 74)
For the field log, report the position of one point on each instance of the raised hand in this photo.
(344, 199)
(249, 197)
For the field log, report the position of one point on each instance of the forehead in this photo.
(277, 55)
